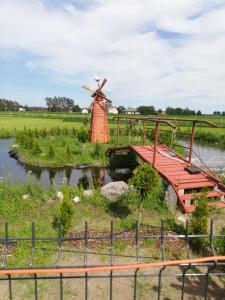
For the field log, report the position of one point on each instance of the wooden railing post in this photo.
(144, 133)
(192, 140)
(156, 142)
(118, 132)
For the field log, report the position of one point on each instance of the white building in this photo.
(22, 109)
(131, 111)
(113, 110)
(84, 111)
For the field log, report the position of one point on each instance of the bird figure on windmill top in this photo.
(99, 107)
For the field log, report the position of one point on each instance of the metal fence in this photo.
(140, 277)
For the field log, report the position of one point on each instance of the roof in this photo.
(131, 109)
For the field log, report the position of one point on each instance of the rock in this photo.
(114, 190)
(171, 197)
(182, 219)
(60, 195)
(76, 199)
(88, 193)
(26, 196)
(82, 166)
(122, 171)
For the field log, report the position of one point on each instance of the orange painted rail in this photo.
(112, 268)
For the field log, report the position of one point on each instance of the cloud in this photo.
(152, 51)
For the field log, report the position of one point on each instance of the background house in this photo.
(84, 111)
(131, 111)
(113, 110)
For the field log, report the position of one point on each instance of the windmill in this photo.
(99, 107)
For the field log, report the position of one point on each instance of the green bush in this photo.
(36, 148)
(199, 222)
(51, 151)
(145, 180)
(97, 151)
(83, 135)
(64, 214)
(68, 151)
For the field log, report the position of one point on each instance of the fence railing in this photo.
(144, 268)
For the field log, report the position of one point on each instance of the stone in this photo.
(122, 171)
(76, 199)
(88, 193)
(26, 196)
(114, 190)
(182, 219)
(171, 197)
(60, 195)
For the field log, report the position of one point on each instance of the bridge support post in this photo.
(144, 133)
(157, 129)
(118, 132)
(192, 141)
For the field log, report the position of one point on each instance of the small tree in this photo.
(36, 148)
(68, 151)
(83, 136)
(51, 151)
(145, 180)
(97, 151)
(199, 221)
(64, 214)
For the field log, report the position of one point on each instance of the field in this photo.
(8, 123)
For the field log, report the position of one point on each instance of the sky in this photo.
(152, 52)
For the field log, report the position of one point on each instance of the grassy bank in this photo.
(24, 203)
(60, 146)
(69, 147)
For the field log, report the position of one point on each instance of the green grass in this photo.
(41, 206)
(39, 120)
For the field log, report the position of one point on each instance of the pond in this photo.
(213, 157)
(87, 177)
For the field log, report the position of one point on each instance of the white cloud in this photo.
(130, 42)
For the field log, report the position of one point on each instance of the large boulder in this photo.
(114, 190)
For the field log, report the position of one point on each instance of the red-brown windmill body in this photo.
(99, 122)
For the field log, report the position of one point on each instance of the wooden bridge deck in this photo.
(173, 168)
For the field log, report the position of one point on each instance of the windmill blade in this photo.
(103, 83)
(87, 88)
(110, 101)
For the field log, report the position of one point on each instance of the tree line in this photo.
(61, 104)
(151, 110)
(9, 105)
(182, 112)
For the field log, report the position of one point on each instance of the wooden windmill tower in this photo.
(99, 107)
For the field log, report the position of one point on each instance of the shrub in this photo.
(199, 221)
(36, 148)
(83, 135)
(97, 151)
(51, 151)
(68, 151)
(145, 181)
(64, 214)
(220, 242)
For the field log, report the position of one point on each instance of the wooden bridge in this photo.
(187, 180)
